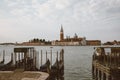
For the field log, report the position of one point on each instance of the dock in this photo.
(106, 63)
(24, 61)
(23, 75)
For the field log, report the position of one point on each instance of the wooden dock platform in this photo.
(106, 63)
(23, 75)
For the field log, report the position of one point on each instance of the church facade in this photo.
(74, 41)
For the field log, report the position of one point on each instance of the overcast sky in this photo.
(22, 20)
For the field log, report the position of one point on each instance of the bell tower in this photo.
(61, 34)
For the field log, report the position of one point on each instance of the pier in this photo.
(26, 59)
(106, 63)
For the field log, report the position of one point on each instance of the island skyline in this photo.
(24, 20)
(63, 40)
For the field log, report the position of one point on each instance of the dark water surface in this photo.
(77, 59)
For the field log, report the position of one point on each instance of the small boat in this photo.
(45, 67)
(54, 70)
(2, 62)
(57, 70)
(6, 66)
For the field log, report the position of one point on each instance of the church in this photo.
(68, 41)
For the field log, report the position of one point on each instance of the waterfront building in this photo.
(69, 41)
(93, 42)
(115, 42)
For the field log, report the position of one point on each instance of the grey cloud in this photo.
(86, 17)
(114, 10)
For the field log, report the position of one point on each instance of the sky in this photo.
(22, 20)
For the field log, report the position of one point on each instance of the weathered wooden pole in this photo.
(25, 61)
(115, 59)
(110, 59)
(118, 59)
(99, 75)
(46, 56)
(107, 60)
(31, 50)
(96, 73)
(11, 56)
(41, 57)
(57, 55)
(104, 59)
(3, 55)
(104, 76)
(51, 56)
(18, 59)
(93, 72)
(109, 77)
(62, 55)
(15, 58)
(21, 57)
(35, 59)
(30, 54)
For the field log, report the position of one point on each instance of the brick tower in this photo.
(61, 34)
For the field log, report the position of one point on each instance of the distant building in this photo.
(69, 41)
(115, 42)
(93, 42)
(118, 42)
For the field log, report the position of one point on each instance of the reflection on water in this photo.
(77, 60)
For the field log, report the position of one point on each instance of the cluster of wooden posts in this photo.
(26, 58)
(106, 66)
(56, 70)
(23, 58)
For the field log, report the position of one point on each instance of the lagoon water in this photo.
(77, 59)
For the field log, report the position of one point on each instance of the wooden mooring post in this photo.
(106, 63)
(3, 57)
(41, 57)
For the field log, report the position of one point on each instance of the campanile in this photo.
(61, 34)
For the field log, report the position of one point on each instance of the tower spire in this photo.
(61, 28)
